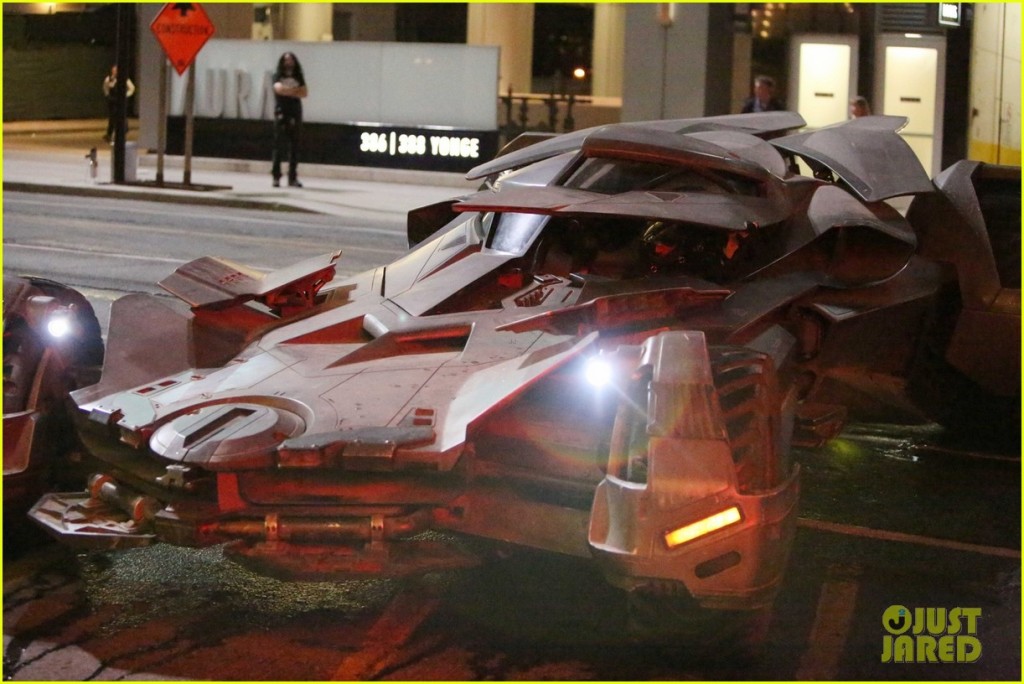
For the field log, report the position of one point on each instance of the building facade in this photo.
(574, 65)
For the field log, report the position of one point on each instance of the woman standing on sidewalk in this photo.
(289, 89)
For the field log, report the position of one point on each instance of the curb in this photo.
(194, 197)
(372, 174)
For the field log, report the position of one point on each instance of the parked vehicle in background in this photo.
(52, 344)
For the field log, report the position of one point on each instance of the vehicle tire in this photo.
(953, 400)
(727, 637)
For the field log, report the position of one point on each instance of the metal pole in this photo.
(120, 91)
(666, 17)
(190, 98)
(161, 131)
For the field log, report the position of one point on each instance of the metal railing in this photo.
(559, 111)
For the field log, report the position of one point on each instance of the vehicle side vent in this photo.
(746, 389)
(351, 331)
(717, 564)
(410, 343)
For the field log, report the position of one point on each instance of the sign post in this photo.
(125, 22)
(181, 28)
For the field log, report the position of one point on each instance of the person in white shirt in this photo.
(108, 92)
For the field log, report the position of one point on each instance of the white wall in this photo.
(394, 83)
(822, 77)
(994, 132)
(910, 81)
(509, 27)
(609, 46)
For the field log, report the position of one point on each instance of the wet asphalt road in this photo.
(889, 517)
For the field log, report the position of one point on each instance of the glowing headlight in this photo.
(712, 523)
(597, 371)
(58, 326)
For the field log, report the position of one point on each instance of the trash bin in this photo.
(131, 162)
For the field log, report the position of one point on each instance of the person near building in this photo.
(289, 89)
(763, 99)
(109, 83)
(859, 107)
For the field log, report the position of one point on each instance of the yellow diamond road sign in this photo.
(182, 28)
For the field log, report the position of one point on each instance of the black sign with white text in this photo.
(392, 147)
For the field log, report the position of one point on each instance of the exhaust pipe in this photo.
(139, 507)
(274, 527)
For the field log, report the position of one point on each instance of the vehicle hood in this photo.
(405, 389)
(763, 124)
(868, 154)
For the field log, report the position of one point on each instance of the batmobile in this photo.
(607, 351)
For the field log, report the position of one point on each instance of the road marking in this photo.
(926, 449)
(94, 294)
(388, 636)
(903, 537)
(832, 620)
(80, 252)
(398, 230)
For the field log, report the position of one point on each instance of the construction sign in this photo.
(182, 28)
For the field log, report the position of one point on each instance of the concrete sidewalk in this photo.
(50, 156)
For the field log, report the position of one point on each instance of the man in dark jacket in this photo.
(764, 99)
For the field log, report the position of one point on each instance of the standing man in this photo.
(764, 99)
(289, 89)
(859, 107)
(108, 92)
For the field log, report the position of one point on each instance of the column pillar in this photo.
(679, 60)
(509, 26)
(609, 46)
(307, 21)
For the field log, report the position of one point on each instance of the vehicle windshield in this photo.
(514, 233)
(614, 176)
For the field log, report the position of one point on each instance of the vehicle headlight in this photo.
(45, 313)
(598, 371)
(59, 325)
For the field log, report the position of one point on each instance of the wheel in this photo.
(947, 396)
(730, 637)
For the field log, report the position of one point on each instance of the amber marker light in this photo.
(695, 530)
